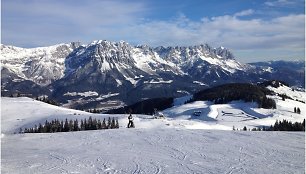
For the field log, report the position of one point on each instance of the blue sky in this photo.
(253, 30)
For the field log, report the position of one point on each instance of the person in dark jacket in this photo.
(131, 123)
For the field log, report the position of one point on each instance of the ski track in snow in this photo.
(154, 151)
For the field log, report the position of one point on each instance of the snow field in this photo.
(180, 143)
(154, 151)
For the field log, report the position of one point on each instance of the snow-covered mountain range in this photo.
(112, 74)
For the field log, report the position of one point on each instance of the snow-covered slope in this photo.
(237, 114)
(35, 112)
(290, 92)
(150, 151)
(154, 146)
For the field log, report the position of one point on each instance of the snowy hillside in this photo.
(294, 94)
(176, 144)
(237, 114)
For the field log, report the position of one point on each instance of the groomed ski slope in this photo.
(177, 144)
(154, 151)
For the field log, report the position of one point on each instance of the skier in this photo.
(131, 123)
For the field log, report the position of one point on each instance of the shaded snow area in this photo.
(180, 143)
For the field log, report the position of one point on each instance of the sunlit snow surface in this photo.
(181, 143)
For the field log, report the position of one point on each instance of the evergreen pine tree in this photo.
(47, 127)
(66, 126)
(55, 127)
(61, 127)
(104, 124)
(35, 129)
(40, 129)
(94, 124)
(82, 125)
(298, 111)
(75, 125)
(90, 125)
(99, 124)
(71, 127)
(117, 123)
(109, 123)
(276, 126)
(85, 124)
(113, 124)
(294, 109)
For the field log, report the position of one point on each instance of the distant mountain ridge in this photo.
(109, 74)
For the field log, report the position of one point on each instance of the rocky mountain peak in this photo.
(222, 52)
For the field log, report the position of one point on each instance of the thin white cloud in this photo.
(279, 3)
(244, 13)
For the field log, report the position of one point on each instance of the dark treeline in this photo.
(236, 91)
(287, 126)
(47, 100)
(73, 125)
(145, 107)
(94, 111)
(281, 126)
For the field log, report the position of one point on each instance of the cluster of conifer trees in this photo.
(73, 125)
(47, 100)
(284, 125)
(287, 126)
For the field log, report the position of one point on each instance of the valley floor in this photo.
(165, 150)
